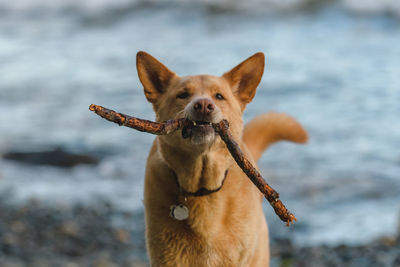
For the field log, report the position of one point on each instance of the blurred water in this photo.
(337, 72)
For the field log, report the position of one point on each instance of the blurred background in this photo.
(71, 183)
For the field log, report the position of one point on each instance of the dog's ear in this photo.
(245, 77)
(154, 76)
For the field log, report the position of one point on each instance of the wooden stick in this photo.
(158, 128)
(222, 128)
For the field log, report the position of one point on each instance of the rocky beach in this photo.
(39, 235)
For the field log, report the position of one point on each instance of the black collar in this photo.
(202, 191)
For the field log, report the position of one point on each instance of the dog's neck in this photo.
(202, 191)
(198, 166)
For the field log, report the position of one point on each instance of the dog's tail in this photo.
(269, 128)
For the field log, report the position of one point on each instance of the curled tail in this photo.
(269, 128)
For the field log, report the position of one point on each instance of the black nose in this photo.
(204, 106)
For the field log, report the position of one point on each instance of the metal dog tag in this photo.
(179, 212)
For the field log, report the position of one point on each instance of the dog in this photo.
(200, 208)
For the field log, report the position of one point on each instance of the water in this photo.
(335, 67)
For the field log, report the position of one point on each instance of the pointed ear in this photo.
(245, 77)
(154, 76)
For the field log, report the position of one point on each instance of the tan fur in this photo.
(226, 228)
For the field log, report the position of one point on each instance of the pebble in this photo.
(57, 157)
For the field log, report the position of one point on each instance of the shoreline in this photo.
(33, 234)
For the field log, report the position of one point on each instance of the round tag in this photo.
(179, 212)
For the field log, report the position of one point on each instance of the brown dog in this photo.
(200, 208)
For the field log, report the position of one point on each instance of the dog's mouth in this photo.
(199, 131)
(199, 123)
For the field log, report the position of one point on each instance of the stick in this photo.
(222, 128)
(157, 128)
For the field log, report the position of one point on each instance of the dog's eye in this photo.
(183, 95)
(219, 96)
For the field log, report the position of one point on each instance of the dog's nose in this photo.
(204, 106)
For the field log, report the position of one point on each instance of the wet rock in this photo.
(56, 157)
(70, 229)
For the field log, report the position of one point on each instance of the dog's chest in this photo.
(219, 252)
(227, 246)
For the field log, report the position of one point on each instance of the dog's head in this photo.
(204, 99)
